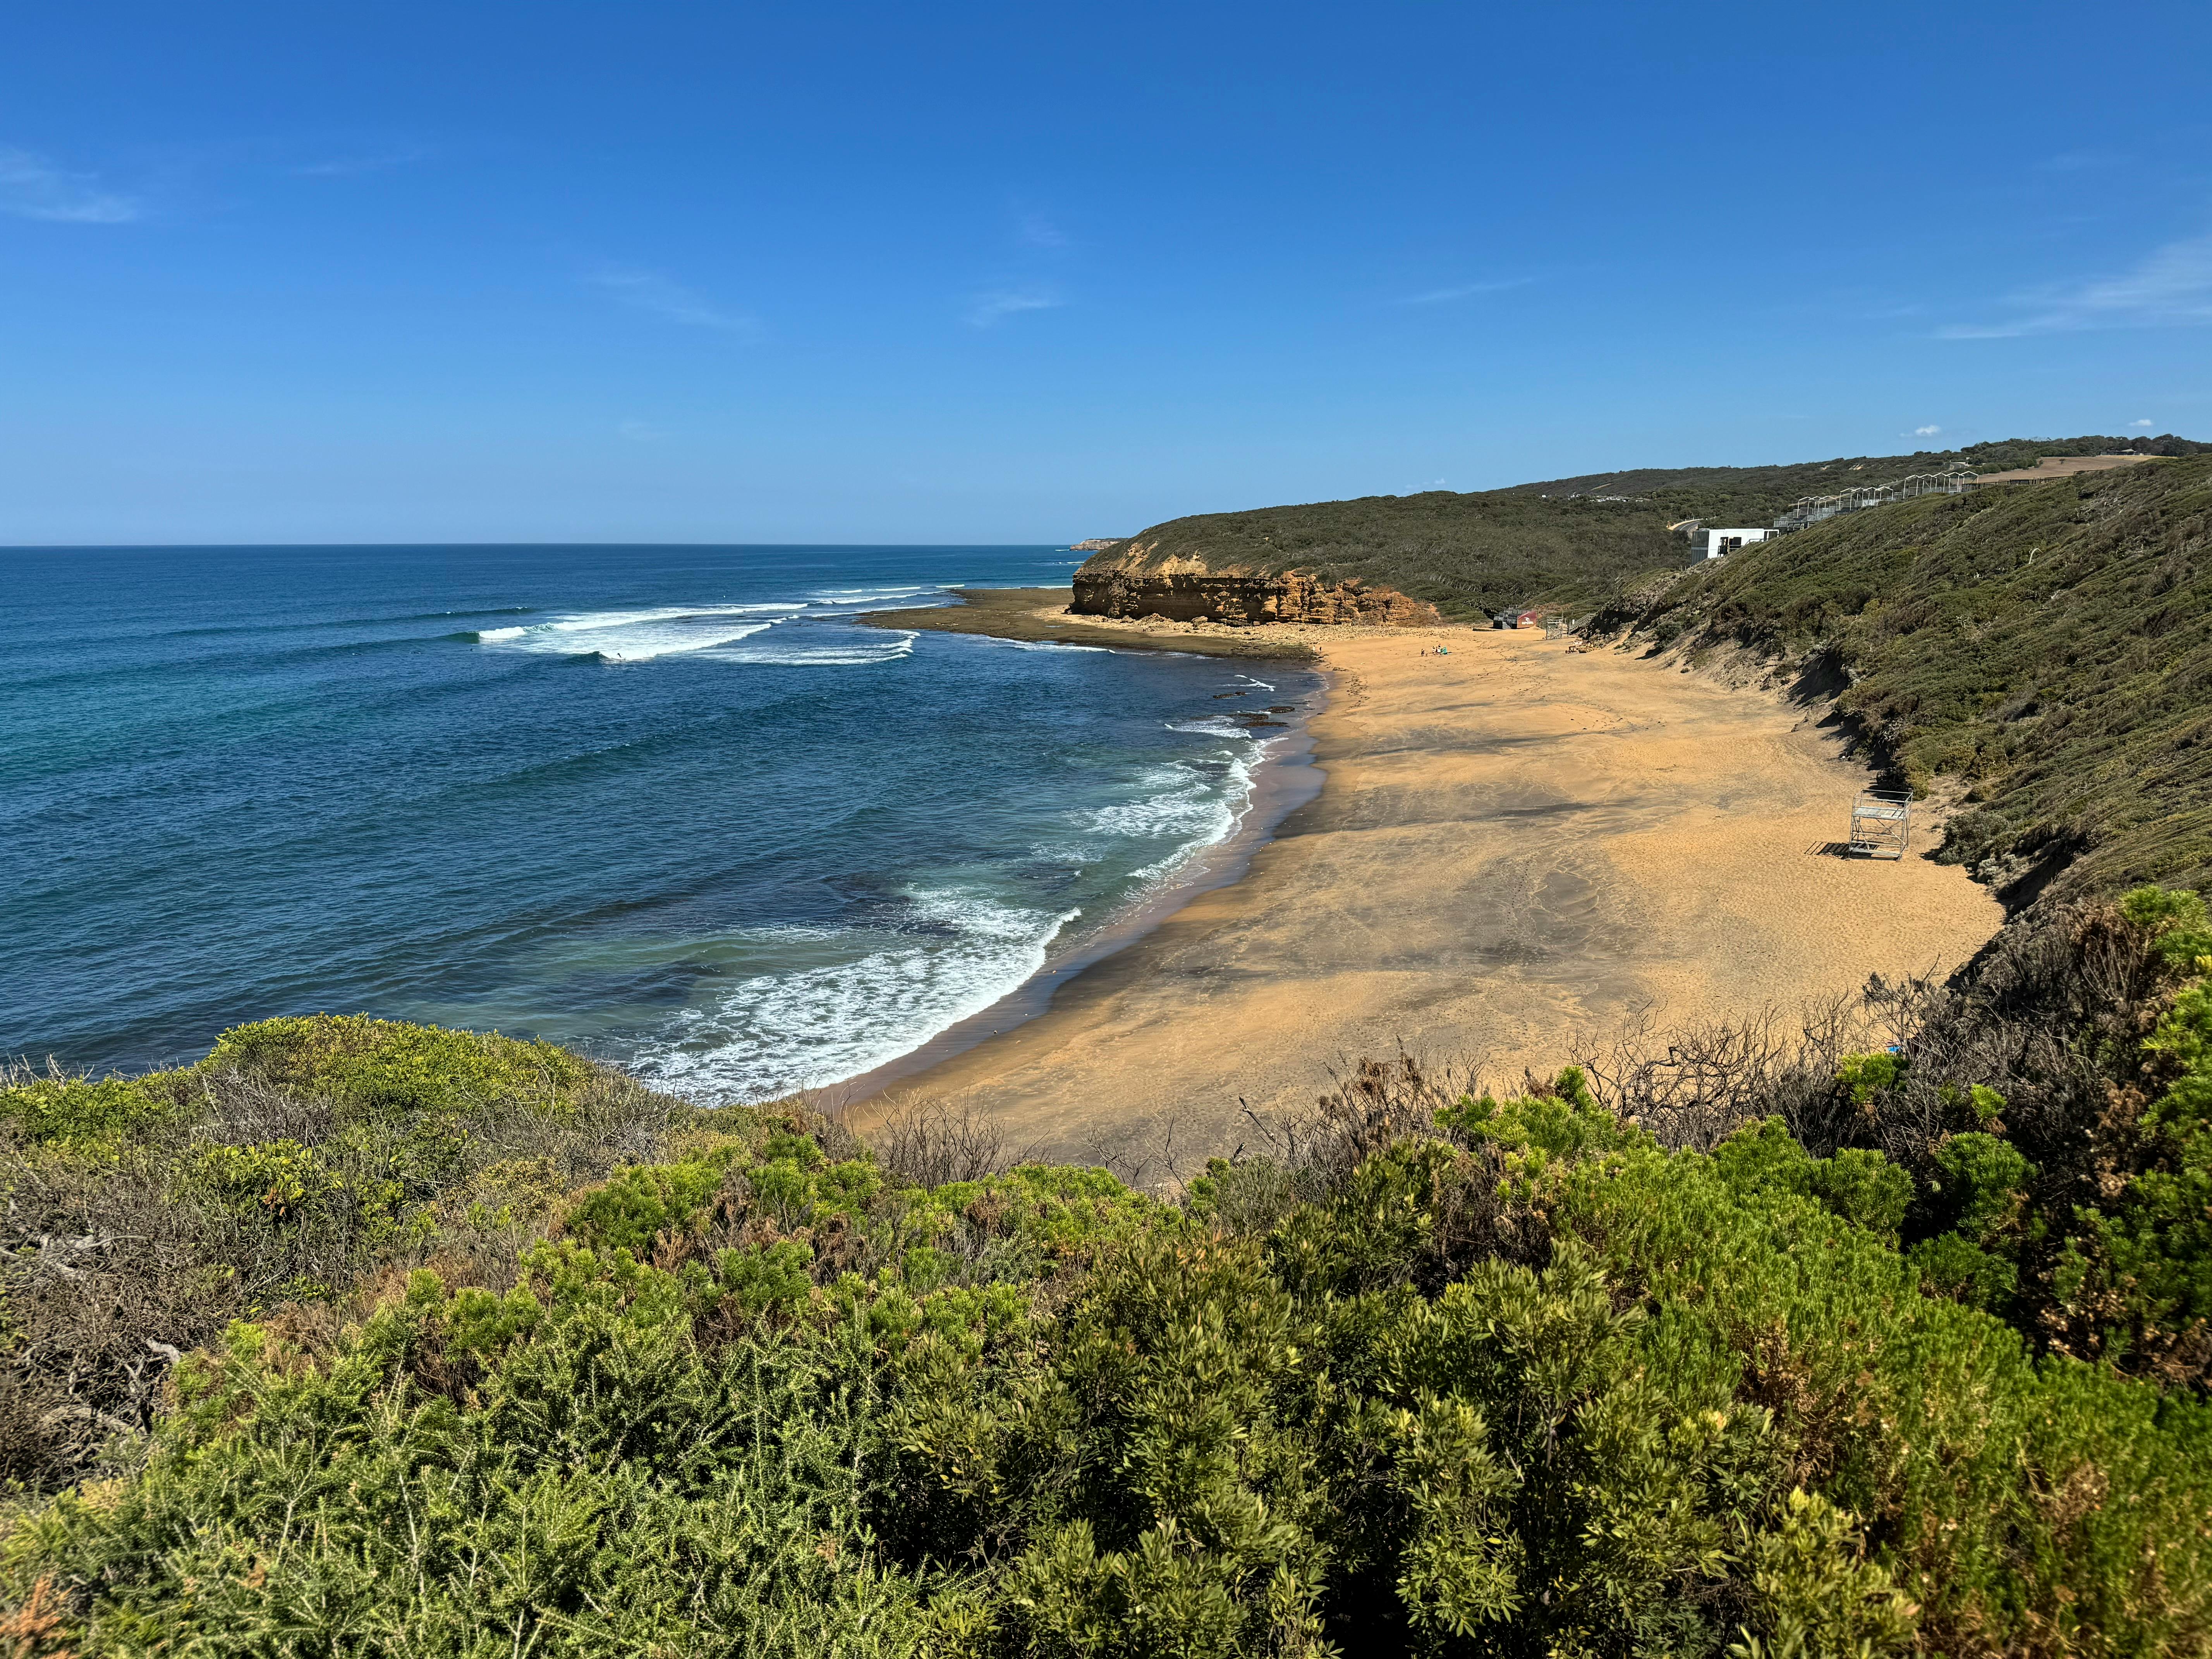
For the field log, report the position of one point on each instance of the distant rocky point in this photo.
(1097, 544)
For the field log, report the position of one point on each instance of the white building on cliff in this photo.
(1721, 542)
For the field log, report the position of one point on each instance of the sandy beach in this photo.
(1516, 843)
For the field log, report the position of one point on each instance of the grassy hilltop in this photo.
(1572, 542)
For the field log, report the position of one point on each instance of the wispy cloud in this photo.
(647, 290)
(352, 167)
(1040, 232)
(32, 187)
(2173, 287)
(1923, 432)
(989, 308)
(2145, 425)
(1437, 296)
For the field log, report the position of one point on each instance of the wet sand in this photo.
(1515, 844)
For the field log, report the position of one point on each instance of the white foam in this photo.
(852, 598)
(1176, 800)
(772, 1034)
(889, 646)
(1204, 817)
(1035, 645)
(642, 636)
(1212, 727)
(718, 633)
(852, 1001)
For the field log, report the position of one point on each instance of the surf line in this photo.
(1283, 778)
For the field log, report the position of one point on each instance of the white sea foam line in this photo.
(1237, 801)
(642, 635)
(1037, 645)
(772, 1034)
(868, 595)
(1210, 726)
(644, 644)
(1195, 819)
(590, 620)
(800, 656)
(1175, 800)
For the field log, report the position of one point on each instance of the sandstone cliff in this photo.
(1104, 587)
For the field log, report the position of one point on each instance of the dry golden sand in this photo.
(1516, 844)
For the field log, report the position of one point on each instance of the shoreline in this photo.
(1518, 850)
(1284, 780)
(1038, 615)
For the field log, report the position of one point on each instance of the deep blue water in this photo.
(669, 804)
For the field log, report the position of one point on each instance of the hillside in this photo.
(2045, 648)
(1571, 541)
(1755, 495)
(521, 1358)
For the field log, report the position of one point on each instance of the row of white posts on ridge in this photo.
(1811, 509)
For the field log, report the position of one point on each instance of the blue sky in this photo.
(957, 273)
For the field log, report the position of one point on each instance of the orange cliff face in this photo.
(1182, 591)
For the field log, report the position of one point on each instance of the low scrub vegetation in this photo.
(1769, 1344)
(143, 1215)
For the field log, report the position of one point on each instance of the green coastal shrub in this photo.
(1856, 1183)
(635, 1206)
(138, 1217)
(384, 1066)
(85, 1115)
(2144, 1268)
(1526, 1382)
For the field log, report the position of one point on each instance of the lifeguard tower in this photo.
(1881, 824)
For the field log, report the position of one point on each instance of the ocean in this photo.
(672, 806)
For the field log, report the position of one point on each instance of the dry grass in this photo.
(116, 1261)
(930, 1143)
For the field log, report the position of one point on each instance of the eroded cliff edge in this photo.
(1133, 579)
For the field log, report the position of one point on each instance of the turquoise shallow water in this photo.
(669, 804)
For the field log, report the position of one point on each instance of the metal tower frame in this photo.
(1881, 824)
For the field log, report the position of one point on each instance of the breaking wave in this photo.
(882, 995)
(723, 633)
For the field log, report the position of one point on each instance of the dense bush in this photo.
(142, 1215)
(1455, 1374)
